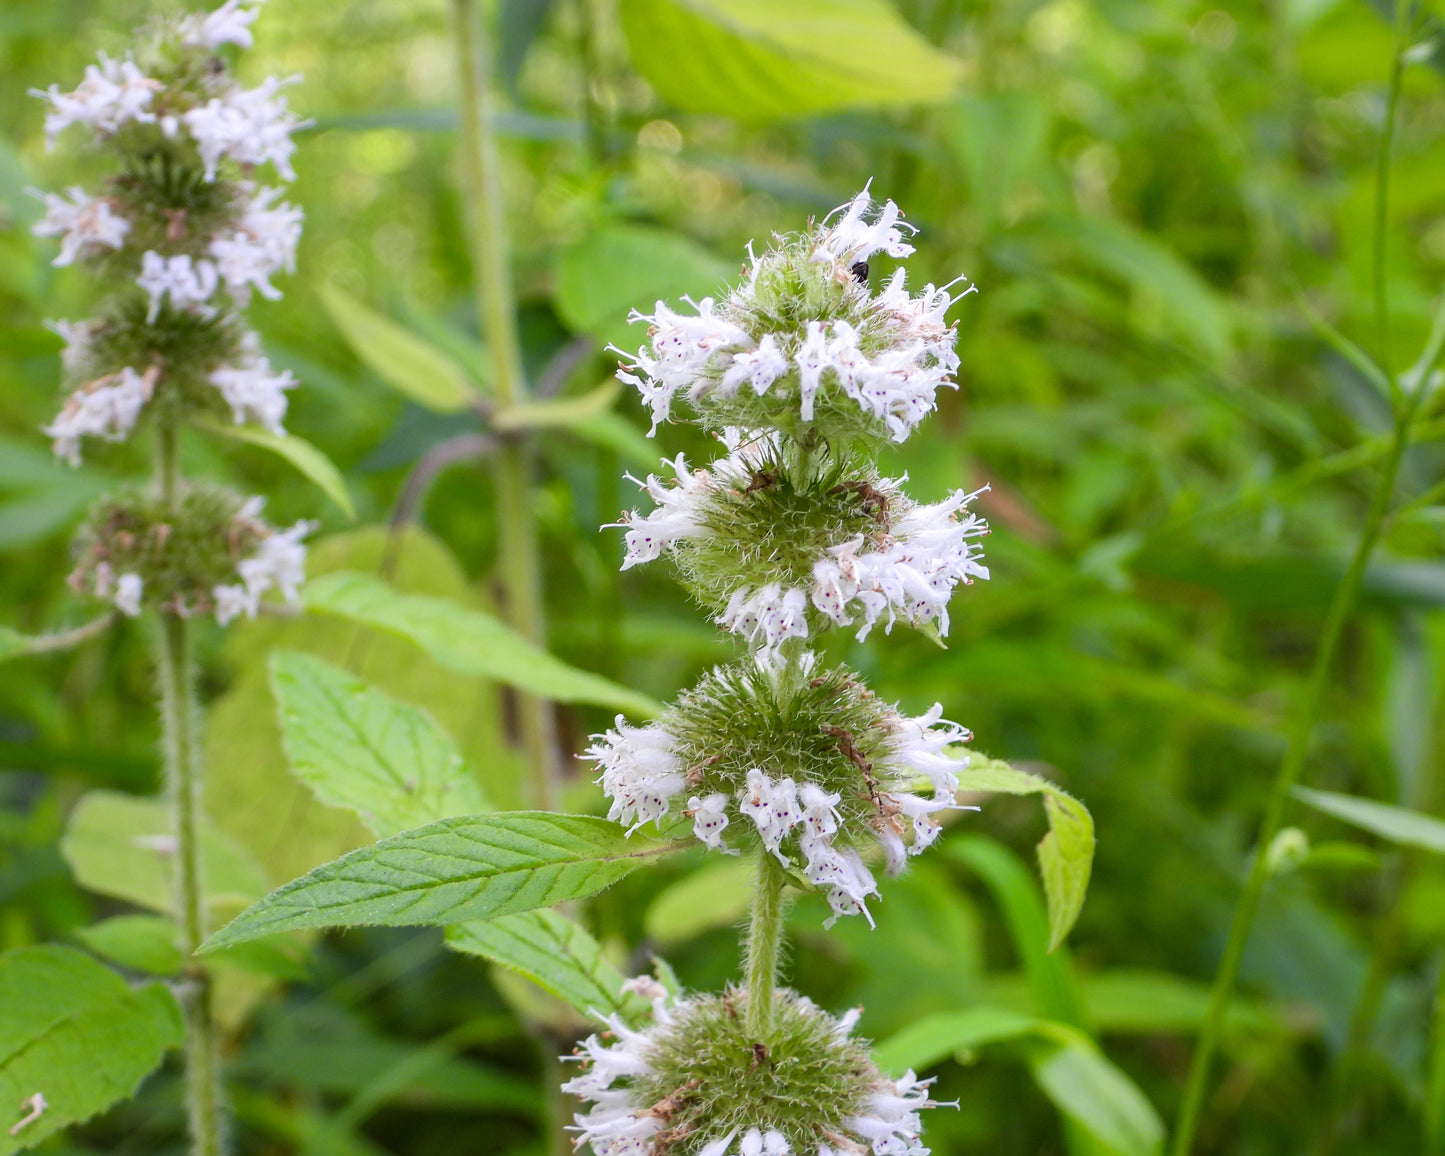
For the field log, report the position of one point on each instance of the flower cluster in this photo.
(816, 775)
(695, 1082)
(182, 231)
(208, 553)
(803, 341)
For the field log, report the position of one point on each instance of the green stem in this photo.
(496, 310)
(1382, 195)
(764, 945)
(180, 732)
(1435, 1077)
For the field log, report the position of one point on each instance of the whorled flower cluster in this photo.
(804, 342)
(183, 227)
(773, 559)
(695, 1083)
(212, 553)
(817, 774)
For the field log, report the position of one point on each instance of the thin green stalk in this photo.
(764, 945)
(496, 310)
(1382, 196)
(1435, 1078)
(180, 732)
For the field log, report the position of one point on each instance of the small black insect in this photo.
(859, 269)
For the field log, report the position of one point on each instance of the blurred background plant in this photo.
(1153, 199)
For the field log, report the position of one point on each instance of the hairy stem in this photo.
(1337, 615)
(180, 731)
(496, 309)
(764, 945)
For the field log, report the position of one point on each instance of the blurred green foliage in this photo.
(1148, 193)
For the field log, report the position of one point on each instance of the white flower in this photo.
(250, 126)
(278, 563)
(187, 282)
(83, 220)
(759, 367)
(255, 390)
(640, 773)
(856, 239)
(77, 336)
(112, 93)
(766, 616)
(262, 242)
(710, 819)
(681, 347)
(107, 408)
(674, 518)
(228, 24)
(128, 589)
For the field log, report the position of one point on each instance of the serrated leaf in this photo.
(142, 942)
(1066, 853)
(716, 894)
(121, 846)
(476, 867)
(936, 1037)
(467, 641)
(558, 412)
(1397, 824)
(358, 748)
(411, 366)
(12, 643)
(555, 953)
(1088, 1088)
(76, 1033)
(604, 276)
(309, 460)
(759, 60)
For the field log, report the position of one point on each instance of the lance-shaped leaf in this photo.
(450, 871)
(1066, 853)
(1396, 824)
(759, 59)
(556, 954)
(467, 641)
(558, 412)
(360, 749)
(405, 362)
(76, 1035)
(314, 464)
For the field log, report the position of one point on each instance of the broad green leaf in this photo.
(933, 1038)
(141, 942)
(450, 871)
(122, 846)
(1397, 824)
(759, 60)
(553, 952)
(12, 643)
(1056, 993)
(74, 1032)
(1066, 853)
(1089, 1089)
(467, 641)
(716, 894)
(558, 412)
(314, 464)
(408, 364)
(618, 268)
(363, 750)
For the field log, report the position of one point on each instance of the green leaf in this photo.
(614, 432)
(363, 750)
(1066, 853)
(935, 1037)
(467, 641)
(558, 412)
(12, 643)
(142, 942)
(1397, 824)
(1089, 1089)
(450, 871)
(314, 464)
(408, 364)
(554, 953)
(119, 845)
(76, 1033)
(716, 894)
(759, 60)
(604, 276)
